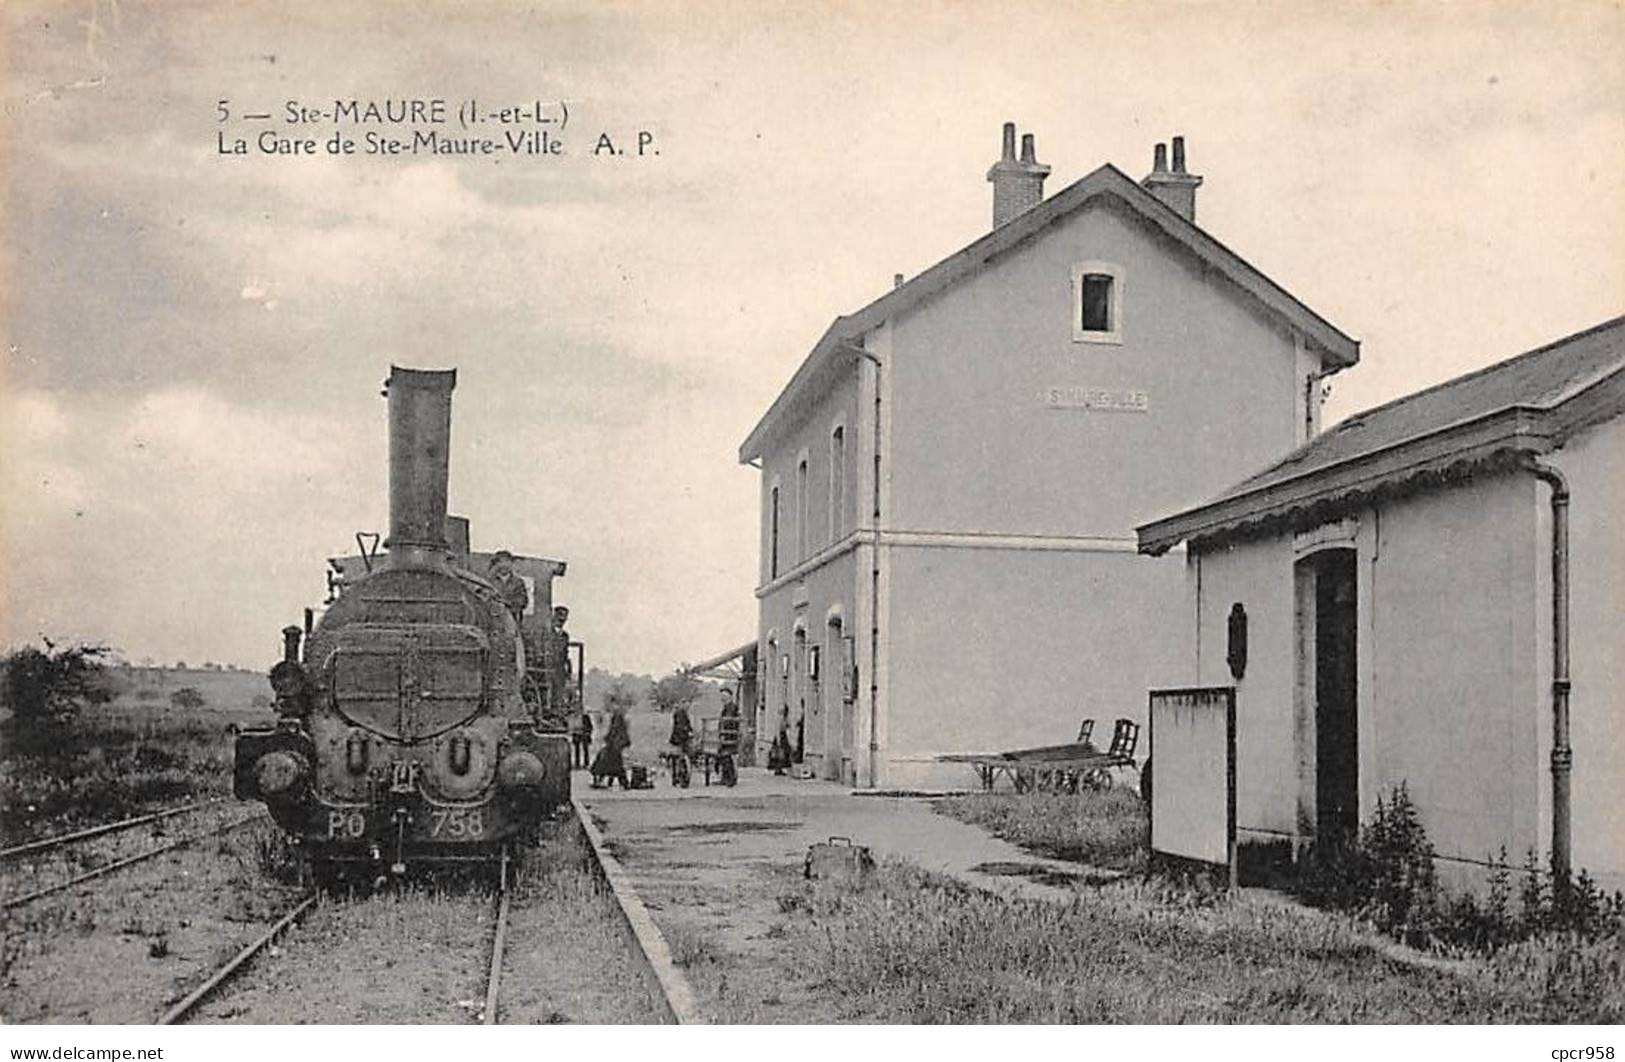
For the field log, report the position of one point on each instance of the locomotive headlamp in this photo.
(521, 770)
(278, 772)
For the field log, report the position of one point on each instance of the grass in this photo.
(1107, 830)
(133, 755)
(915, 947)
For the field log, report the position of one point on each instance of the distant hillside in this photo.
(222, 690)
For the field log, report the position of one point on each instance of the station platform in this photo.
(716, 836)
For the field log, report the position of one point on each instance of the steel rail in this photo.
(670, 986)
(499, 943)
(97, 831)
(18, 901)
(216, 979)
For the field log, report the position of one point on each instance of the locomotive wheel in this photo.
(1098, 779)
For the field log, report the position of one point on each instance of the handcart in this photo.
(1058, 768)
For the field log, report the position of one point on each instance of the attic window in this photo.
(1097, 291)
(1097, 302)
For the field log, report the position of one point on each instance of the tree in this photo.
(619, 698)
(677, 690)
(46, 688)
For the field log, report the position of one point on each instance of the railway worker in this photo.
(581, 740)
(509, 587)
(728, 724)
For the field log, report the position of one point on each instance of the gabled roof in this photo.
(1108, 180)
(1528, 404)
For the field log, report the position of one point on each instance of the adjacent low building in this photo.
(1430, 593)
(951, 479)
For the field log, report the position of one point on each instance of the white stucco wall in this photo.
(1258, 574)
(809, 435)
(973, 456)
(1594, 463)
(809, 602)
(1453, 661)
(993, 650)
(974, 446)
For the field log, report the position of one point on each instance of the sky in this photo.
(190, 417)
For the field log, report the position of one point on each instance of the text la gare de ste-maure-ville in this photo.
(414, 127)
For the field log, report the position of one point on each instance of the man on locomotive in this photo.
(561, 639)
(508, 585)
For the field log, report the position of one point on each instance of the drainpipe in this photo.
(1562, 751)
(874, 589)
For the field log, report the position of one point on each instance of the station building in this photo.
(951, 480)
(1411, 617)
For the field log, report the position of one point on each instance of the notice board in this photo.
(1193, 792)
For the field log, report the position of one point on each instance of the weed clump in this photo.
(1386, 876)
(1107, 830)
(911, 946)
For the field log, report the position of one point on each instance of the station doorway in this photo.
(1332, 648)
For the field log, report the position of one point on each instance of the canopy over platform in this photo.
(729, 665)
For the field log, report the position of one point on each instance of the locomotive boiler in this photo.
(414, 723)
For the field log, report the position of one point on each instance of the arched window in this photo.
(837, 482)
(802, 538)
(773, 535)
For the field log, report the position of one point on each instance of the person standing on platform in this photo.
(728, 724)
(610, 765)
(581, 740)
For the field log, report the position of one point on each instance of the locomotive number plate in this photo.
(457, 823)
(345, 825)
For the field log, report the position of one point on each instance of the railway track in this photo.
(192, 999)
(47, 844)
(673, 1001)
(11, 902)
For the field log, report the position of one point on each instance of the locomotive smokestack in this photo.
(419, 461)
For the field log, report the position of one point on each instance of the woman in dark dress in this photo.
(611, 763)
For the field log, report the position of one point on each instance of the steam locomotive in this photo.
(421, 720)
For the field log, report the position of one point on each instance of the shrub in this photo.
(187, 697)
(46, 688)
(1387, 877)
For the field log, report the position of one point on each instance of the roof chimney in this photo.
(1018, 186)
(1176, 188)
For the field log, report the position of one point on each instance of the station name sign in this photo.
(1102, 399)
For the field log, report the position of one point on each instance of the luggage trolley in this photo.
(1058, 768)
